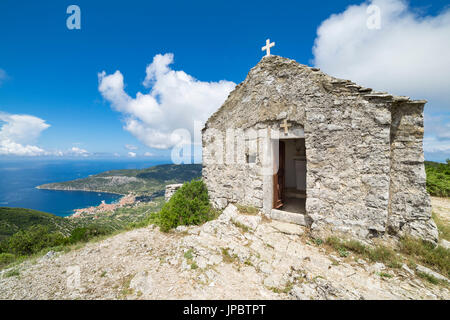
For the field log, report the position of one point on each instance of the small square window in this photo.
(251, 158)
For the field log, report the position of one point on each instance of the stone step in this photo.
(291, 217)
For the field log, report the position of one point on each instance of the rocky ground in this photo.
(237, 256)
(441, 206)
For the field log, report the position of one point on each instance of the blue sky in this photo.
(51, 73)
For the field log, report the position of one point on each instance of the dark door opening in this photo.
(290, 179)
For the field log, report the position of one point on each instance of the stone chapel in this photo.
(311, 149)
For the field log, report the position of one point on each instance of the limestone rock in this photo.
(444, 243)
(287, 228)
(377, 267)
(49, 254)
(171, 189)
(249, 221)
(142, 282)
(229, 212)
(275, 280)
(181, 229)
(431, 273)
(407, 269)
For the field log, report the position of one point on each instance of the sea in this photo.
(19, 178)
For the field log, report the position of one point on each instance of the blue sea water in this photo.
(18, 181)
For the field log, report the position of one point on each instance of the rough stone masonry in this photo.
(365, 166)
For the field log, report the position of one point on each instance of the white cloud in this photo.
(408, 55)
(130, 147)
(132, 154)
(75, 151)
(148, 154)
(436, 142)
(19, 132)
(175, 100)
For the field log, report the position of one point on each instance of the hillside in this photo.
(141, 182)
(13, 220)
(438, 178)
(237, 256)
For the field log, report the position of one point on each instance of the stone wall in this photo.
(410, 206)
(348, 138)
(236, 182)
(170, 190)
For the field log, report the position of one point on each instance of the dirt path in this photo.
(234, 257)
(441, 206)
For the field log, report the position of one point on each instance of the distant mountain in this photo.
(139, 181)
(13, 220)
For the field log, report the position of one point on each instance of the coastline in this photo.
(128, 199)
(79, 189)
(102, 207)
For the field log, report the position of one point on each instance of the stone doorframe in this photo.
(295, 132)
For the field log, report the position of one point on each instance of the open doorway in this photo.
(290, 179)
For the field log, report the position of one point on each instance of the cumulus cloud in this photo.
(175, 100)
(132, 154)
(130, 147)
(75, 151)
(436, 142)
(148, 154)
(407, 55)
(18, 134)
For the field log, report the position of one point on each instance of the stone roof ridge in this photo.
(329, 83)
(336, 83)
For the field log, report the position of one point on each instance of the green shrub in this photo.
(188, 206)
(84, 234)
(33, 240)
(438, 178)
(4, 246)
(6, 258)
(343, 252)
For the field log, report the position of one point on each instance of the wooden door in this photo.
(278, 179)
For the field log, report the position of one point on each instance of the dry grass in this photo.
(241, 226)
(444, 228)
(247, 209)
(378, 253)
(437, 258)
(410, 250)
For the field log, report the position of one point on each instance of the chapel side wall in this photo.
(410, 206)
(229, 180)
(348, 156)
